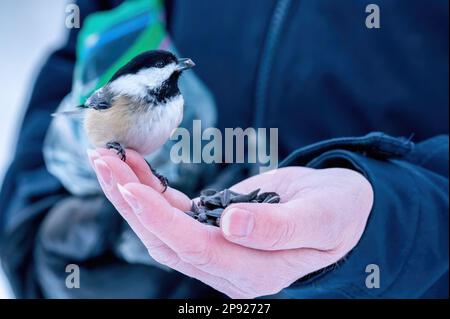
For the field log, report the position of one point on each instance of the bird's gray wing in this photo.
(99, 100)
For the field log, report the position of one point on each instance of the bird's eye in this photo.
(159, 64)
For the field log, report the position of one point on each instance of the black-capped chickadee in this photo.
(139, 107)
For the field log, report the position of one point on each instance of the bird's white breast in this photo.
(151, 129)
(142, 128)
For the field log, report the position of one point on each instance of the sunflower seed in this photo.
(261, 197)
(194, 208)
(202, 217)
(254, 194)
(233, 192)
(212, 203)
(225, 197)
(242, 198)
(215, 212)
(211, 222)
(272, 199)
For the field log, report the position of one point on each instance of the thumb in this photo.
(270, 226)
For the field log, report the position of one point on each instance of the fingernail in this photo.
(130, 199)
(104, 173)
(237, 222)
(92, 155)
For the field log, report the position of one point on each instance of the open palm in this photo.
(259, 248)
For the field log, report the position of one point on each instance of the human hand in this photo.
(259, 248)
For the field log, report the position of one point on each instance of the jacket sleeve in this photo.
(28, 190)
(405, 242)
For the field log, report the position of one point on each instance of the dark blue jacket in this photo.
(312, 69)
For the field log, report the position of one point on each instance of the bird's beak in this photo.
(184, 64)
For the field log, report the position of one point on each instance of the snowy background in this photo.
(29, 31)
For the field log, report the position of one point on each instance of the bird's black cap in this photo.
(148, 59)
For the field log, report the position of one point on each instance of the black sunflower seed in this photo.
(194, 208)
(272, 199)
(215, 212)
(225, 197)
(261, 197)
(254, 194)
(212, 203)
(211, 222)
(242, 198)
(202, 217)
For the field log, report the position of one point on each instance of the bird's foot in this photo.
(163, 180)
(120, 150)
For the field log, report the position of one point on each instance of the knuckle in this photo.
(198, 255)
(121, 207)
(152, 243)
(164, 256)
(281, 233)
(161, 220)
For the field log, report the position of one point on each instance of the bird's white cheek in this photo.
(137, 85)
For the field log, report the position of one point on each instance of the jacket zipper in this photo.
(262, 80)
(265, 66)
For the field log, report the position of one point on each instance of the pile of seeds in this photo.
(212, 203)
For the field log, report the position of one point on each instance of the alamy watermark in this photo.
(373, 277)
(72, 16)
(236, 145)
(373, 19)
(73, 277)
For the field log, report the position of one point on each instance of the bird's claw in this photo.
(120, 150)
(162, 179)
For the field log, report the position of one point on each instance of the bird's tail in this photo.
(78, 112)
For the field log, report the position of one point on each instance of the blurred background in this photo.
(38, 28)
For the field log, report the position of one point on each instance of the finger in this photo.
(265, 278)
(141, 169)
(105, 167)
(204, 246)
(156, 248)
(139, 166)
(296, 224)
(110, 171)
